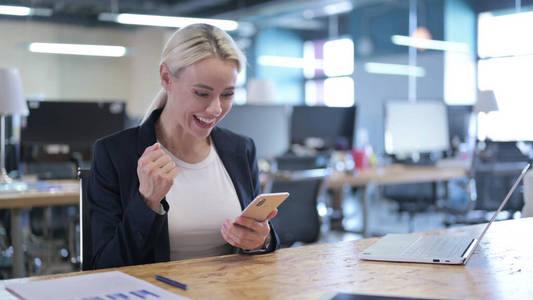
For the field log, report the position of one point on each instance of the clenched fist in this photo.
(156, 172)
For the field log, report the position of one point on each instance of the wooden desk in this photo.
(393, 174)
(59, 192)
(501, 268)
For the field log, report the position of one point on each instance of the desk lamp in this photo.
(12, 102)
(486, 102)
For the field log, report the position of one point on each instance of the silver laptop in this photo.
(435, 249)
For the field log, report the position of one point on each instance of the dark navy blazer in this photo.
(127, 232)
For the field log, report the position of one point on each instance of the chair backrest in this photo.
(85, 225)
(299, 163)
(527, 210)
(297, 219)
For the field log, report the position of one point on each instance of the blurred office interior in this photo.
(344, 99)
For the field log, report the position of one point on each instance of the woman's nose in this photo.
(214, 107)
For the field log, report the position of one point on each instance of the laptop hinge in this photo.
(470, 248)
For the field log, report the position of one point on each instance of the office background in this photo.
(300, 53)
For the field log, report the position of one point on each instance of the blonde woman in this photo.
(174, 187)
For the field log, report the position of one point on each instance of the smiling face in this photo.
(200, 95)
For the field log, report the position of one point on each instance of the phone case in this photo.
(263, 205)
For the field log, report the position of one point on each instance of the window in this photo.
(328, 68)
(505, 66)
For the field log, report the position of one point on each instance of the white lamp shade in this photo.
(12, 100)
(486, 102)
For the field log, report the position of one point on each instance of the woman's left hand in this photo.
(247, 233)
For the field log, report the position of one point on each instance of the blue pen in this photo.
(171, 282)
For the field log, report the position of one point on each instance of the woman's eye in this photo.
(228, 95)
(200, 94)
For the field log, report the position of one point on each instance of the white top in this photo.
(201, 198)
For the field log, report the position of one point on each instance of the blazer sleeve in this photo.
(254, 170)
(123, 227)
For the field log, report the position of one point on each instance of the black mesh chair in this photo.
(303, 178)
(493, 172)
(85, 232)
(412, 198)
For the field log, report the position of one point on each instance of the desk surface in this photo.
(58, 192)
(501, 268)
(396, 174)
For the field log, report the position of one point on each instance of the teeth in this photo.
(205, 120)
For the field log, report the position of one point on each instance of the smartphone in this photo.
(263, 205)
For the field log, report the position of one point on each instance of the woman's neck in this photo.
(181, 144)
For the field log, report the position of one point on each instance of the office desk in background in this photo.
(393, 174)
(501, 268)
(47, 193)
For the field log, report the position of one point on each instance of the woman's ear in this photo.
(165, 75)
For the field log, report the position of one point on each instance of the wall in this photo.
(373, 90)
(288, 82)
(377, 23)
(134, 78)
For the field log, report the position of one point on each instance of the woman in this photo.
(174, 187)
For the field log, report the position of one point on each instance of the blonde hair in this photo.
(191, 44)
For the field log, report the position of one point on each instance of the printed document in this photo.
(99, 286)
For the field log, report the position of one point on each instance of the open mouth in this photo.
(204, 123)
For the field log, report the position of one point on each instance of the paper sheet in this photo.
(100, 286)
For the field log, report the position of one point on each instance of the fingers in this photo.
(151, 157)
(249, 223)
(156, 171)
(169, 166)
(173, 172)
(149, 149)
(272, 214)
(254, 224)
(162, 160)
(241, 237)
(156, 156)
(250, 228)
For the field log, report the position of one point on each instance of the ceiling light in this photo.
(338, 8)
(24, 11)
(14, 10)
(165, 21)
(394, 69)
(78, 49)
(403, 40)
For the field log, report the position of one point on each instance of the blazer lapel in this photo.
(147, 132)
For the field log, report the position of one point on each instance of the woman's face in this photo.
(201, 95)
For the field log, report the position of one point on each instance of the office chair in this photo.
(527, 210)
(85, 232)
(493, 172)
(412, 198)
(297, 219)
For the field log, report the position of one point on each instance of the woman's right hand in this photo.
(156, 172)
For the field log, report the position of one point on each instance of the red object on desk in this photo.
(359, 158)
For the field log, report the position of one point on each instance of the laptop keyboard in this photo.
(437, 247)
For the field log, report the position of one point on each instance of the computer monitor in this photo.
(333, 125)
(459, 119)
(72, 123)
(415, 128)
(267, 125)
